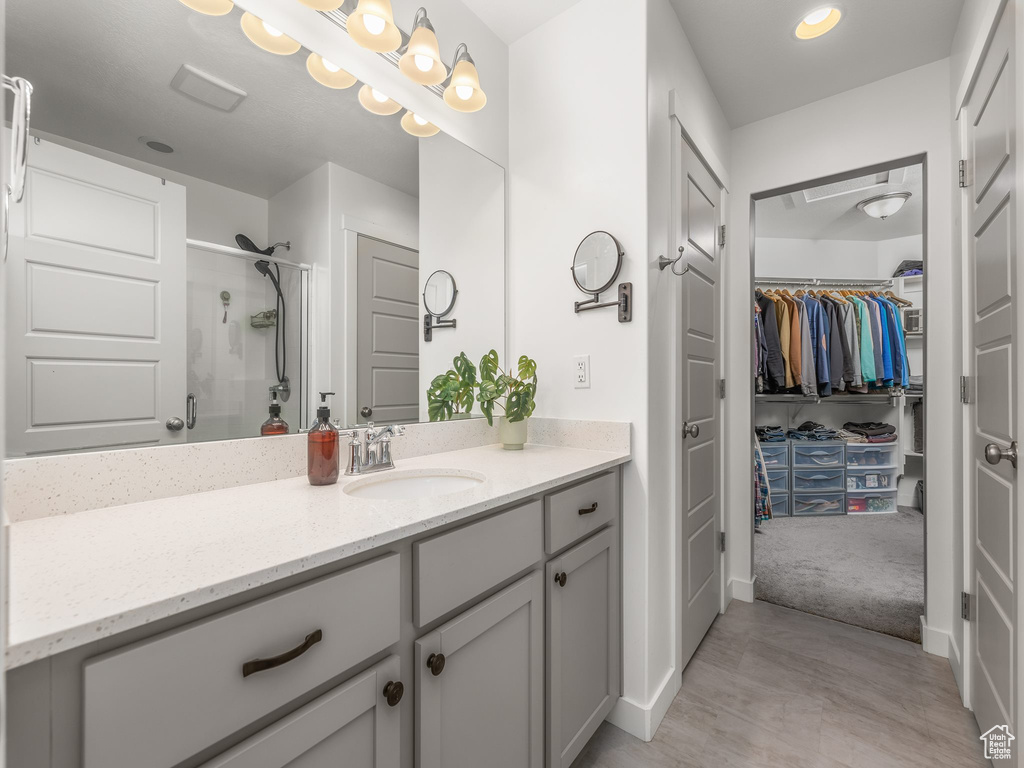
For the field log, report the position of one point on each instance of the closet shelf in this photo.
(869, 399)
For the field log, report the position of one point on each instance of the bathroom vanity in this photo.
(278, 624)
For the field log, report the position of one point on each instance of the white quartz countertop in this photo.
(81, 577)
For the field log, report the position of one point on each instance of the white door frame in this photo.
(972, 71)
(706, 155)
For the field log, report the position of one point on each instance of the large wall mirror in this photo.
(205, 227)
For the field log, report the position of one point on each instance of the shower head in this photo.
(263, 267)
(248, 245)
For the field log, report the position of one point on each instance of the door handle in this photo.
(366, 411)
(175, 424)
(190, 411)
(21, 114)
(691, 430)
(994, 453)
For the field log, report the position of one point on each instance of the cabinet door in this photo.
(353, 725)
(583, 644)
(481, 700)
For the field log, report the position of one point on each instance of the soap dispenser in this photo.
(274, 425)
(322, 447)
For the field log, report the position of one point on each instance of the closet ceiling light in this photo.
(463, 93)
(377, 102)
(268, 38)
(817, 23)
(417, 126)
(884, 206)
(210, 7)
(421, 61)
(328, 73)
(372, 25)
(322, 5)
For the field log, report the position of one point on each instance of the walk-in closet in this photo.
(839, 323)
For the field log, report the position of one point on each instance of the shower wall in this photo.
(230, 364)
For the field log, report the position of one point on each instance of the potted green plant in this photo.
(451, 394)
(513, 394)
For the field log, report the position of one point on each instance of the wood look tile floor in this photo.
(775, 688)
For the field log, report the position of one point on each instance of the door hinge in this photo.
(965, 389)
(721, 389)
(963, 174)
(965, 606)
(721, 236)
(721, 540)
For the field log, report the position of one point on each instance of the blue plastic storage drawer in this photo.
(775, 454)
(778, 480)
(780, 505)
(819, 454)
(819, 480)
(819, 504)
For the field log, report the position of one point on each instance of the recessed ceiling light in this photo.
(884, 206)
(156, 146)
(817, 23)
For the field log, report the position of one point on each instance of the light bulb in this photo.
(464, 92)
(378, 96)
(817, 17)
(374, 24)
(330, 66)
(419, 120)
(272, 31)
(423, 63)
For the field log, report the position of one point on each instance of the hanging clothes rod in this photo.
(789, 282)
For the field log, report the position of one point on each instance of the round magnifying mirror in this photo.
(439, 293)
(597, 262)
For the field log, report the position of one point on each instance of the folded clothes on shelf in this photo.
(851, 437)
(770, 434)
(811, 430)
(869, 428)
(915, 385)
(889, 438)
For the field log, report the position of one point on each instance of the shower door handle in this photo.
(175, 424)
(191, 412)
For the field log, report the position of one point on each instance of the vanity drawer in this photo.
(580, 510)
(452, 568)
(160, 701)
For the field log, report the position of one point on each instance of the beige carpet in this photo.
(864, 570)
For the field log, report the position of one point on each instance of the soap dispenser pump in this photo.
(274, 425)
(322, 447)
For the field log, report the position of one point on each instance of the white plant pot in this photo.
(512, 434)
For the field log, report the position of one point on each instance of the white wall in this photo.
(462, 231)
(833, 259)
(577, 160)
(672, 66)
(897, 117)
(213, 213)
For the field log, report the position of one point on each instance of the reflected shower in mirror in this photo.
(222, 232)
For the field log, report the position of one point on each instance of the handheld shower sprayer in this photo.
(283, 386)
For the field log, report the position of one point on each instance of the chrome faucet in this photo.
(373, 452)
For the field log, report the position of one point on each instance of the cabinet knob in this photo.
(393, 692)
(561, 578)
(435, 663)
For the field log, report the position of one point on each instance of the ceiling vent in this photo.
(207, 89)
(859, 184)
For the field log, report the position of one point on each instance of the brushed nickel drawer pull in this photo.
(588, 510)
(258, 665)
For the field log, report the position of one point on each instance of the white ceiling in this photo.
(102, 74)
(831, 213)
(510, 20)
(757, 67)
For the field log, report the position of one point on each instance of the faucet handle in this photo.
(398, 430)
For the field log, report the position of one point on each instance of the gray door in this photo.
(352, 726)
(990, 116)
(485, 707)
(387, 330)
(583, 644)
(699, 217)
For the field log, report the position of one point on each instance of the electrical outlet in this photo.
(581, 371)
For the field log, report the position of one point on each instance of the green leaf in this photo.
(488, 408)
(489, 366)
(465, 369)
(439, 410)
(527, 368)
(488, 391)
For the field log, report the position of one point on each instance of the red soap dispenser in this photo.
(322, 447)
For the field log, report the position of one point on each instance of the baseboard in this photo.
(740, 589)
(957, 665)
(935, 641)
(640, 721)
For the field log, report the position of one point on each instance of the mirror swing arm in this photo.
(430, 322)
(624, 303)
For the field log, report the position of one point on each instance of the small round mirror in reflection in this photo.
(439, 293)
(597, 262)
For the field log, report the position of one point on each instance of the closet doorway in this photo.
(839, 465)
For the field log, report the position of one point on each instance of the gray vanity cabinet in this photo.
(582, 644)
(480, 684)
(356, 725)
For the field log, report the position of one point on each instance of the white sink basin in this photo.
(414, 484)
